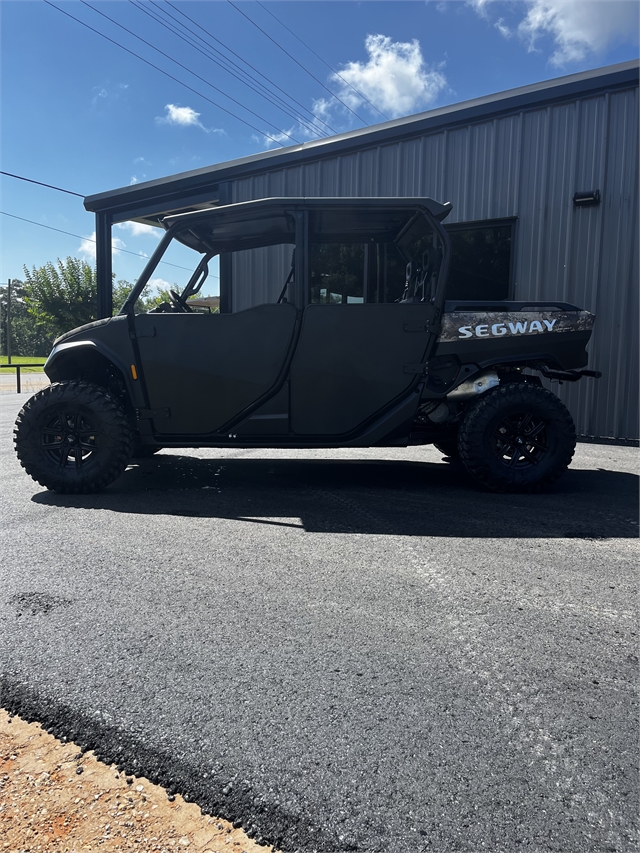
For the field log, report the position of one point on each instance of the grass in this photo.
(23, 359)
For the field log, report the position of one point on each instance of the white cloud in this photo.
(395, 78)
(141, 176)
(99, 94)
(579, 27)
(88, 246)
(322, 109)
(116, 245)
(309, 130)
(160, 284)
(274, 138)
(480, 5)
(138, 229)
(185, 117)
(503, 29)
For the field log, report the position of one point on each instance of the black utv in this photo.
(355, 345)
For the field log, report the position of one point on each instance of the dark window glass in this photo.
(259, 275)
(480, 262)
(387, 273)
(371, 272)
(337, 273)
(374, 265)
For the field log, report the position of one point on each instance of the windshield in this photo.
(178, 271)
(175, 268)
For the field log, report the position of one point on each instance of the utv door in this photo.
(364, 338)
(207, 368)
(353, 361)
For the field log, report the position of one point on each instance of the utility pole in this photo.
(9, 321)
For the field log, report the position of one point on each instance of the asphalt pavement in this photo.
(341, 649)
(29, 382)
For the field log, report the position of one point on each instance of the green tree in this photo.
(162, 296)
(146, 301)
(27, 338)
(63, 296)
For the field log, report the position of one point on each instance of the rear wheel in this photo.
(517, 438)
(73, 437)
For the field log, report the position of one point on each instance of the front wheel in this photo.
(517, 438)
(73, 437)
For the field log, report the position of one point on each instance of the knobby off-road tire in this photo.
(73, 437)
(517, 438)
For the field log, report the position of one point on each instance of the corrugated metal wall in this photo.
(526, 165)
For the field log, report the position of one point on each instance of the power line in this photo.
(337, 73)
(248, 64)
(50, 186)
(88, 239)
(306, 70)
(188, 70)
(166, 73)
(208, 53)
(224, 62)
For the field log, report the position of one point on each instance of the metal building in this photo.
(555, 164)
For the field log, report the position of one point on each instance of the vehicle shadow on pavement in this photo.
(380, 497)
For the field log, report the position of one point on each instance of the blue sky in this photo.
(81, 113)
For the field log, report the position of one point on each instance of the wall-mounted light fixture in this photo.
(588, 199)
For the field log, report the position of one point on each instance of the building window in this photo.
(480, 260)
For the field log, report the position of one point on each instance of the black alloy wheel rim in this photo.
(70, 439)
(521, 440)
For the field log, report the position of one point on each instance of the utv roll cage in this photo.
(274, 221)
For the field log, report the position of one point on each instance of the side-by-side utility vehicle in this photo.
(355, 345)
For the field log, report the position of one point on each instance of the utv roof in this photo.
(272, 220)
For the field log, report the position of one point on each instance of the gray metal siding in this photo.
(617, 295)
(526, 165)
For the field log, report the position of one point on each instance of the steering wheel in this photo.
(177, 302)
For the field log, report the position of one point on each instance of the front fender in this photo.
(77, 359)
